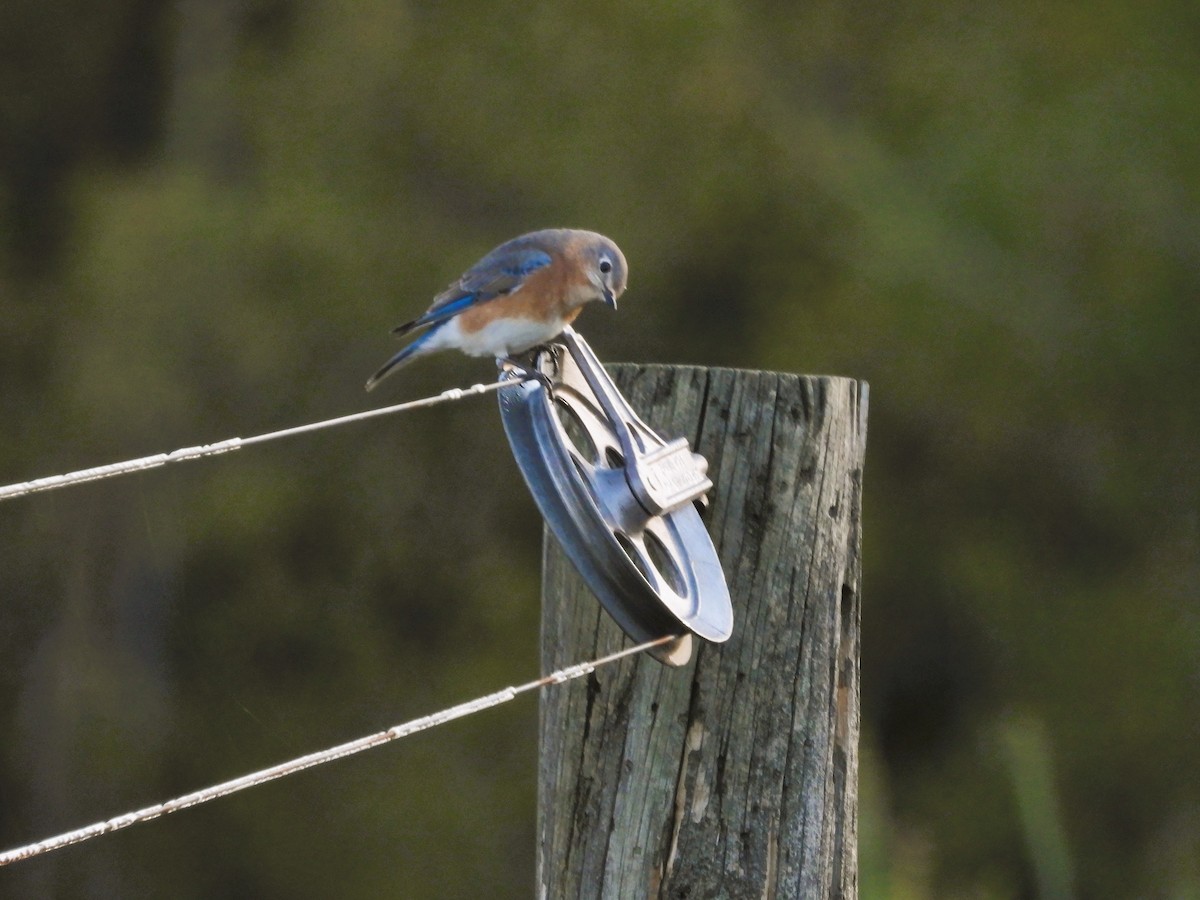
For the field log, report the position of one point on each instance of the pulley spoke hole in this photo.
(576, 432)
(664, 563)
(655, 563)
(639, 559)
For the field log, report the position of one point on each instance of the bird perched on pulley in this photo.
(522, 294)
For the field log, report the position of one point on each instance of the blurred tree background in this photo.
(211, 213)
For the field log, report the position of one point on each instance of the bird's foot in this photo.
(526, 372)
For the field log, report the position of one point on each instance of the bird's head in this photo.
(607, 269)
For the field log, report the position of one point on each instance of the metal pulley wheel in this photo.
(620, 500)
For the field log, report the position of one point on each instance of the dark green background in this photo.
(212, 211)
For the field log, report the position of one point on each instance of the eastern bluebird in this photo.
(523, 293)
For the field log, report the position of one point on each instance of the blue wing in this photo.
(501, 272)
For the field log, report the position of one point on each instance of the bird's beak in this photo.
(609, 299)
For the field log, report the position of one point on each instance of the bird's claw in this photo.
(526, 373)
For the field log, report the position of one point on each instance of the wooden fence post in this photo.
(736, 775)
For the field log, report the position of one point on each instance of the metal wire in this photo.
(315, 759)
(97, 473)
(253, 779)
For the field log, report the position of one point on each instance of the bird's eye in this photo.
(605, 265)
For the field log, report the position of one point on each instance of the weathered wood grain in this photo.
(736, 775)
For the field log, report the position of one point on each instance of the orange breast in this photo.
(542, 298)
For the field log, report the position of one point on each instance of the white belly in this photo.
(503, 337)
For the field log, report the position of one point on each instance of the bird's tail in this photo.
(404, 357)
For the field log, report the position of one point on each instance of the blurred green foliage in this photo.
(211, 212)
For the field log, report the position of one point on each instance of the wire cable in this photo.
(96, 473)
(315, 759)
